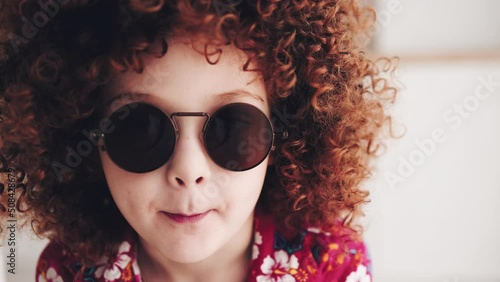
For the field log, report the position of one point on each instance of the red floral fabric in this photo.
(312, 255)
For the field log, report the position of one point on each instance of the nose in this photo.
(189, 164)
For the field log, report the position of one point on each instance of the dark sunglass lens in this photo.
(142, 138)
(238, 137)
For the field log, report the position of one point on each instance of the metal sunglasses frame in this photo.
(98, 135)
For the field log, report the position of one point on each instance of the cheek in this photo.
(126, 188)
(113, 174)
(246, 188)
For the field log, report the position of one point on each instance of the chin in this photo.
(190, 255)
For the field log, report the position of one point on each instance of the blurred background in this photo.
(434, 214)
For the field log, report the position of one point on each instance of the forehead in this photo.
(183, 79)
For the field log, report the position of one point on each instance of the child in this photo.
(191, 140)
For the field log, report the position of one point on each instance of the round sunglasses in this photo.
(237, 137)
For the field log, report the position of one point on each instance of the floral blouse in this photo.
(313, 255)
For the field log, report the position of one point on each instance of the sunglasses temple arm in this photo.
(282, 135)
(98, 135)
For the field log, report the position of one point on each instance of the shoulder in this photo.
(54, 264)
(341, 254)
(337, 254)
(57, 263)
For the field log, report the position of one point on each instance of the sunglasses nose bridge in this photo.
(189, 114)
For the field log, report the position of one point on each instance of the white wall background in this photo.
(28, 248)
(440, 220)
(442, 223)
(411, 27)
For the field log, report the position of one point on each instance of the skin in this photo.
(217, 248)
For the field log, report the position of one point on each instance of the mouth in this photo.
(185, 218)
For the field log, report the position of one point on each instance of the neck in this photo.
(230, 263)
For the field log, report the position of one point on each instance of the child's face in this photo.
(190, 182)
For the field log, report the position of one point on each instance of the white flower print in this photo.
(318, 231)
(257, 241)
(101, 266)
(279, 269)
(113, 271)
(51, 276)
(360, 275)
(135, 268)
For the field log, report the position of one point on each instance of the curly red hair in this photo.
(332, 98)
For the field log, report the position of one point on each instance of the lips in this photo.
(186, 218)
